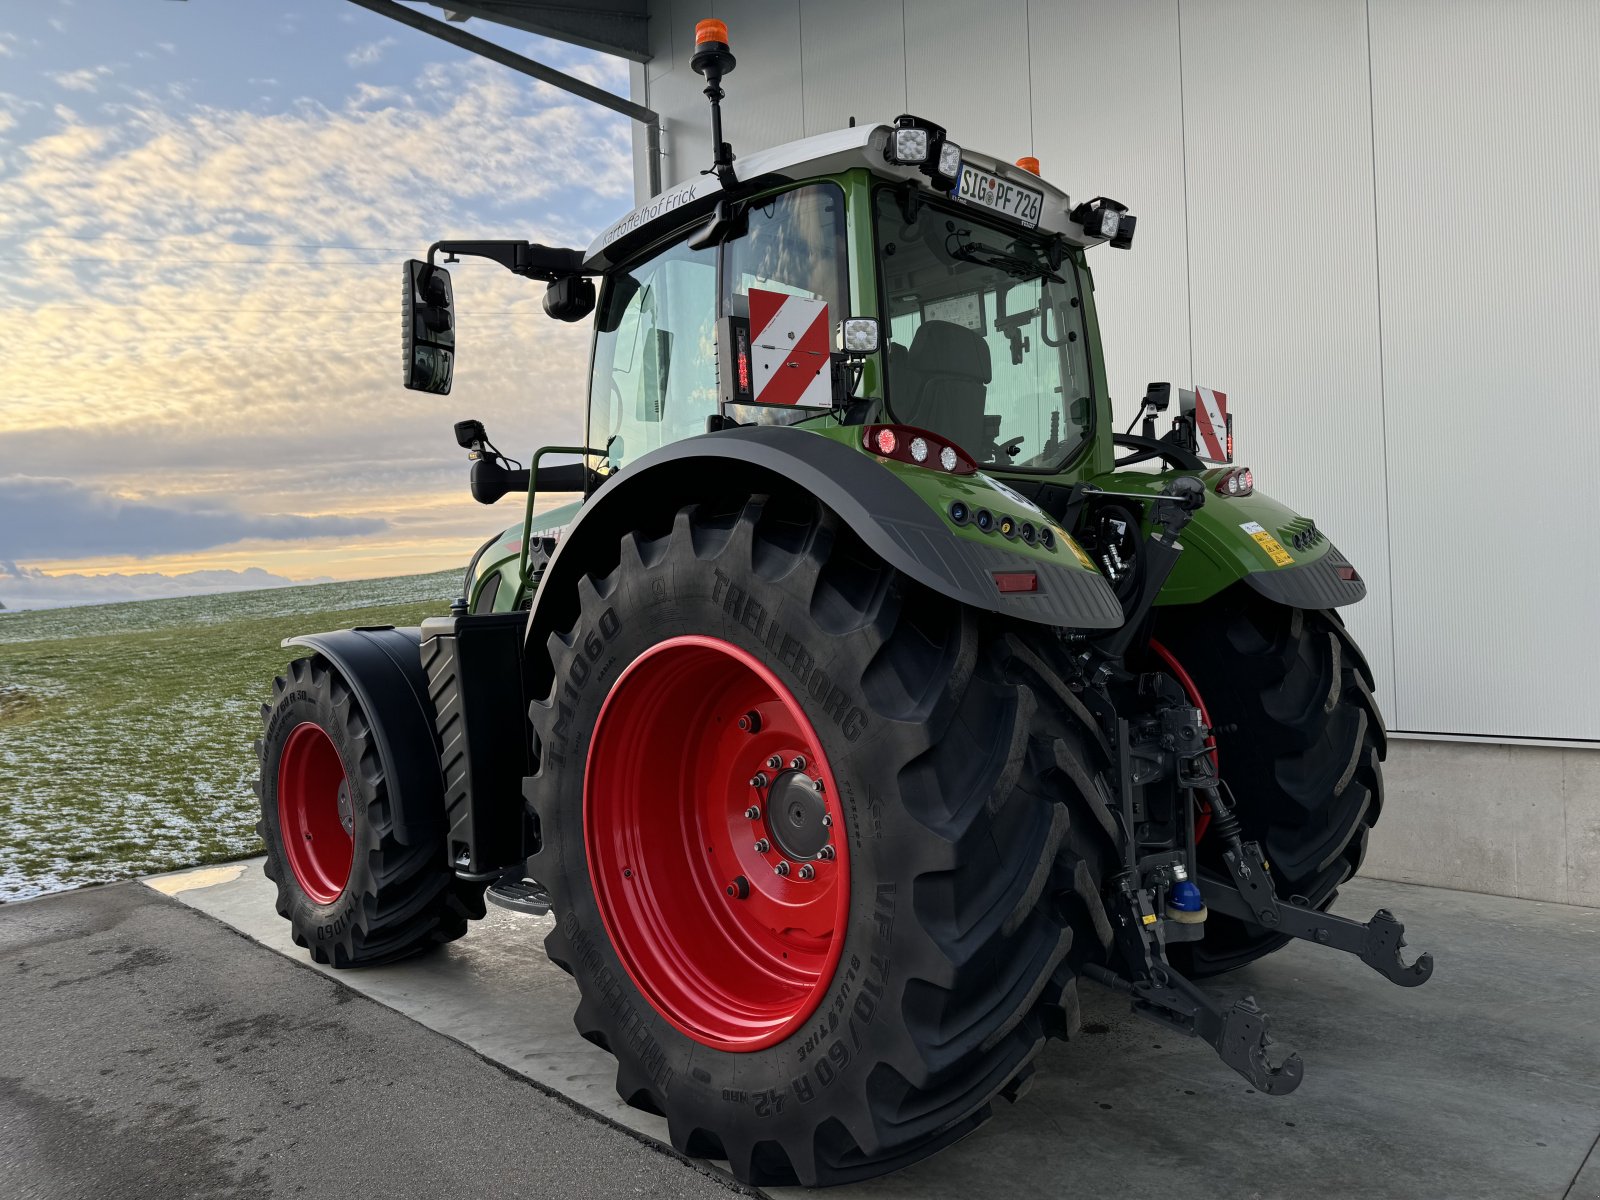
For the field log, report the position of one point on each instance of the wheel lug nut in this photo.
(816, 786)
(827, 821)
(826, 852)
(753, 813)
(763, 846)
(799, 763)
(775, 763)
(782, 868)
(808, 871)
(758, 780)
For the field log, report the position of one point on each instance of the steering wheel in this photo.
(1147, 448)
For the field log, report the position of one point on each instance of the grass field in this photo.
(126, 729)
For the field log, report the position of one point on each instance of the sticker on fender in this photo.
(1275, 551)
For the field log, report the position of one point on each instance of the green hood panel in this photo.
(504, 557)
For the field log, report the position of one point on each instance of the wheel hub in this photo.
(797, 815)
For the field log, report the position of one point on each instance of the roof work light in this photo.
(918, 143)
(1104, 218)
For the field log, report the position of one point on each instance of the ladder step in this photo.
(519, 895)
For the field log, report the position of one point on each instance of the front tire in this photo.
(353, 892)
(940, 944)
(1300, 742)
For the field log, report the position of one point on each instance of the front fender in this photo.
(1253, 538)
(908, 528)
(383, 666)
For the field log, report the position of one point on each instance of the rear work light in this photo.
(918, 447)
(1240, 481)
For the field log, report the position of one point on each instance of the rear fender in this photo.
(383, 667)
(1256, 539)
(900, 512)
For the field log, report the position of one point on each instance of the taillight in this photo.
(918, 447)
(1016, 581)
(1240, 481)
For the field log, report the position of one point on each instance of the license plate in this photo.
(988, 190)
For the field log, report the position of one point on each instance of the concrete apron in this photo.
(1484, 1082)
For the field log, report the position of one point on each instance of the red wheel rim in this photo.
(314, 806)
(734, 954)
(1202, 819)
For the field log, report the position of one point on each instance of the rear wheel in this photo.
(827, 861)
(353, 892)
(1299, 741)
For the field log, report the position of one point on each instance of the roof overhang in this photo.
(617, 27)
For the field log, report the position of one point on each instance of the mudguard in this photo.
(383, 666)
(908, 528)
(1253, 538)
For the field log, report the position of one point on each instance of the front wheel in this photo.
(354, 893)
(817, 841)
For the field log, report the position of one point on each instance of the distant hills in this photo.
(31, 588)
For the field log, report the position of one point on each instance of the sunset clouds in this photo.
(202, 297)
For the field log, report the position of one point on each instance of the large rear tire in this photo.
(1300, 741)
(353, 892)
(923, 962)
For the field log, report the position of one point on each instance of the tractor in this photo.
(871, 694)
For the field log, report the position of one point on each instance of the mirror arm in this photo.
(528, 259)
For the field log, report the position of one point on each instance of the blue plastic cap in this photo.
(1185, 896)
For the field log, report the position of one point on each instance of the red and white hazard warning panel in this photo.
(1213, 427)
(789, 339)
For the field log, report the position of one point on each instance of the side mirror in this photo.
(570, 298)
(428, 328)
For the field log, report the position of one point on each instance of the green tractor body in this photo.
(867, 691)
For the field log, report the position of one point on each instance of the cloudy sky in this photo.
(203, 211)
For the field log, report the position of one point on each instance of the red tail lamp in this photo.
(1016, 581)
(918, 447)
(1240, 481)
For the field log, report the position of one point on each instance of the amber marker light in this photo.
(711, 31)
(1029, 164)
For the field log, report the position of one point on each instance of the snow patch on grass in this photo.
(127, 730)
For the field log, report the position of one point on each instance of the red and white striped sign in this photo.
(1211, 424)
(789, 349)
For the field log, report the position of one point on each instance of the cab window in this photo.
(987, 339)
(655, 378)
(793, 243)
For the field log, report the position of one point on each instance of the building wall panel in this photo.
(1283, 273)
(1108, 120)
(1489, 269)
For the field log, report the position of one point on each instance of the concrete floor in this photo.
(1485, 1082)
(149, 1052)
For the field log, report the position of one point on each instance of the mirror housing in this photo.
(490, 481)
(570, 298)
(428, 328)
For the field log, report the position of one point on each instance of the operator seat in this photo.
(946, 375)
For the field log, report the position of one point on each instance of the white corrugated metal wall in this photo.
(1369, 223)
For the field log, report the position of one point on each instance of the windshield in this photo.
(987, 343)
